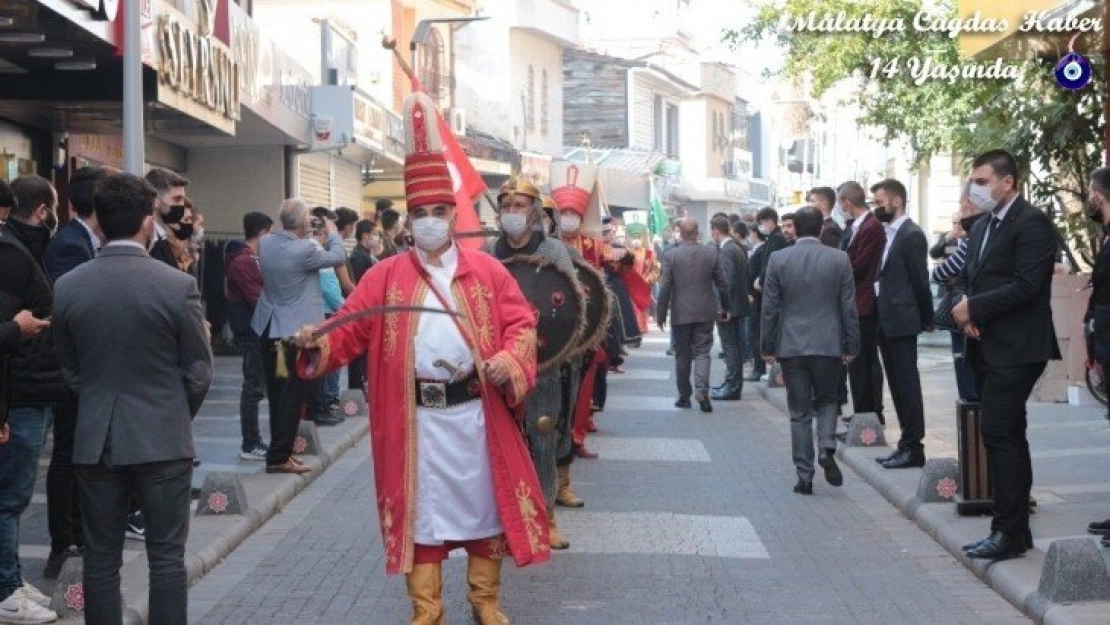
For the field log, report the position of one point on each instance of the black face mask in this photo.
(1093, 211)
(967, 222)
(884, 214)
(184, 232)
(175, 214)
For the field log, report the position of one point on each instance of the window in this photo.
(432, 65)
(543, 102)
(530, 101)
(657, 123)
(672, 131)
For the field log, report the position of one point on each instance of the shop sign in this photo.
(196, 73)
(378, 127)
(103, 10)
(104, 149)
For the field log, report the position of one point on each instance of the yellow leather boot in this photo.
(484, 577)
(557, 541)
(425, 584)
(565, 496)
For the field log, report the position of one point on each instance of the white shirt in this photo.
(454, 484)
(92, 235)
(125, 242)
(891, 230)
(991, 226)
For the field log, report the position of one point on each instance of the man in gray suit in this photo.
(137, 399)
(290, 299)
(694, 290)
(735, 265)
(810, 325)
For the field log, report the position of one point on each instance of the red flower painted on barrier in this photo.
(350, 408)
(946, 488)
(299, 445)
(868, 436)
(75, 597)
(217, 502)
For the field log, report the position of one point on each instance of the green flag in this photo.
(658, 219)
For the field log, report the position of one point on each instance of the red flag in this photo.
(466, 181)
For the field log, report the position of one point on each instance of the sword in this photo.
(333, 324)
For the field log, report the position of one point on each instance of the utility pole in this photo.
(133, 149)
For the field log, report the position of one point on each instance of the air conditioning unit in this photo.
(458, 121)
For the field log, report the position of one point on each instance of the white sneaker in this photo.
(34, 594)
(19, 609)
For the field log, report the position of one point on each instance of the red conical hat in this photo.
(427, 179)
(572, 184)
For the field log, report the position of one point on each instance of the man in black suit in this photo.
(735, 266)
(75, 244)
(824, 199)
(767, 228)
(1007, 318)
(905, 308)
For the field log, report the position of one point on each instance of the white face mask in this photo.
(430, 233)
(980, 196)
(514, 224)
(766, 228)
(569, 223)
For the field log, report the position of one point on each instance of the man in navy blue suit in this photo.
(75, 243)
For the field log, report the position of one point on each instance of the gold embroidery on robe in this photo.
(387, 530)
(524, 346)
(529, 513)
(392, 298)
(498, 547)
(483, 323)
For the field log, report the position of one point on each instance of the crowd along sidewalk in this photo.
(1071, 486)
(216, 433)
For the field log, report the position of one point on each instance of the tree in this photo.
(1056, 133)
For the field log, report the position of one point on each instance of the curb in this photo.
(217, 536)
(1016, 580)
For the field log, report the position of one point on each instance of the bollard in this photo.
(68, 599)
(222, 493)
(308, 440)
(352, 402)
(1074, 570)
(865, 431)
(939, 480)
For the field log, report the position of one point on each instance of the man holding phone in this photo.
(694, 288)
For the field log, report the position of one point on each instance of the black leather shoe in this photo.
(882, 459)
(832, 472)
(723, 395)
(670, 352)
(1100, 527)
(906, 459)
(682, 402)
(703, 404)
(1028, 542)
(803, 488)
(998, 546)
(753, 377)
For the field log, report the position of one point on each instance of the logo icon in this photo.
(1073, 72)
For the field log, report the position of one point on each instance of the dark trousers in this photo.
(966, 384)
(1004, 393)
(729, 332)
(759, 366)
(252, 390)
(900, 362)
(693, 342)
(356, 373)
(63, 514)
(746, 345)
(601, 385)
(162, 489)
(864, 372)
(810, 395)
(287, 395)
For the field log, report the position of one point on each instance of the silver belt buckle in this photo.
(433, 394)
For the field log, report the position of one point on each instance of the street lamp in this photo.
(423, 26)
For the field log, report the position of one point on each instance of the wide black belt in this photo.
(445, 394)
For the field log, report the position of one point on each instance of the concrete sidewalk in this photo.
(1071, 450)
(216, 433)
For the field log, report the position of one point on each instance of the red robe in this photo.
(591, 249)
(645, 267)
(499, 326)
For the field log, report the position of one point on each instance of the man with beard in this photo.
(548, 409)
(905, 308)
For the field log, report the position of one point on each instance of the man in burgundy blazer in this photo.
(864, 241)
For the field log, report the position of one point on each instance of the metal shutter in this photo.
(347, 185)
(314, 179)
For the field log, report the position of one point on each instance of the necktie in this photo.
(994, 223)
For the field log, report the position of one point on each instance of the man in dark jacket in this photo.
(767, 227)
(242, 289)
(75, 244)
(36, 386)
(735, 265)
